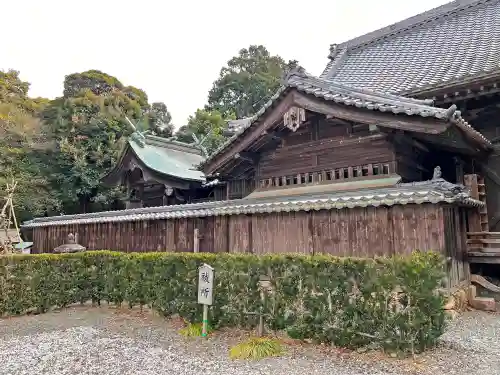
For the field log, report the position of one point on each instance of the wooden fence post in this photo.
(196, 240)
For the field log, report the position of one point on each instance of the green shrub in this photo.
(346, 301)
(194, 330)
(256, 348)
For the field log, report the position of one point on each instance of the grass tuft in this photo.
(194, 330)
(256, 348)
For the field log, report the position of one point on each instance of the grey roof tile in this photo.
(348, 95)
(233, 126)
(434, 191)
(457, 40)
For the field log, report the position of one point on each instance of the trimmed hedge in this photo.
(350, 302)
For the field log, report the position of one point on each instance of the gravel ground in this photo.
(85, 340)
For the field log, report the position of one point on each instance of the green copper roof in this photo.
(167, 156)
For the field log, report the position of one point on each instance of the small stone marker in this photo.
(205, 292)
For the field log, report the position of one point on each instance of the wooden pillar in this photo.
(474, 222)
(459, 170)
(196, 240)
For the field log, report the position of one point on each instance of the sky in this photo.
(174, 50)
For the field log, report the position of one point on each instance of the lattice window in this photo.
(327, 176)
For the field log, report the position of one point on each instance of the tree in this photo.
(58, 150)
(89, 128)
(247, 82)
(22, 140)
(159, 120)
(204, 123)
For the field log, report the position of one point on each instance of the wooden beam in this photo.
(250, 157)
(196, 240)
(420, 145)
(490, 173)
(404, 159)
(274, 117)
(496, 218)
(275, 136)
(338, 120)
(402, 122)
(480, 257)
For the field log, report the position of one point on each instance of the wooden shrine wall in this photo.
(326, 153)
(361, 232)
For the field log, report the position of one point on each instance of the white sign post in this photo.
(205, 292)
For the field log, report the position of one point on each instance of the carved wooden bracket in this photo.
(294, 117)
(168, 190)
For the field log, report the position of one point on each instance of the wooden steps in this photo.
(483, 257)
(478, 221)
(483, 242)
(483, 234)
(483, 211)
(483, 246)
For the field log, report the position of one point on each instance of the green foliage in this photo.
(89, 130)
(93, 80)
(159, 119)
(247, 82)
(22, 139)
(346, 301)
(58, 150)
(256, 348)
(201, 124)
(13, 89)
(194, 330)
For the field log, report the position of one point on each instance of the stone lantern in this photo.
(70, 246)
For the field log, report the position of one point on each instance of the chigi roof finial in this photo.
(136, 136)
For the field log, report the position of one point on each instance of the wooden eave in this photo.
(257, 131)
(271, 119)
(460, 89)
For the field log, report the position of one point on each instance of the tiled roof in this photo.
(347, 95)
(434, 191)
(233, 126)
(167, 156)
(454, 42)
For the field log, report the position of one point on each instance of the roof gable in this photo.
(458, 40)
(337, 93)
(167, 157)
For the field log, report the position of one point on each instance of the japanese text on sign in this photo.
(205, 284)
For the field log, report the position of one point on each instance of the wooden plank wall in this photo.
(455, 245)
(317, 155)
(347, 232)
